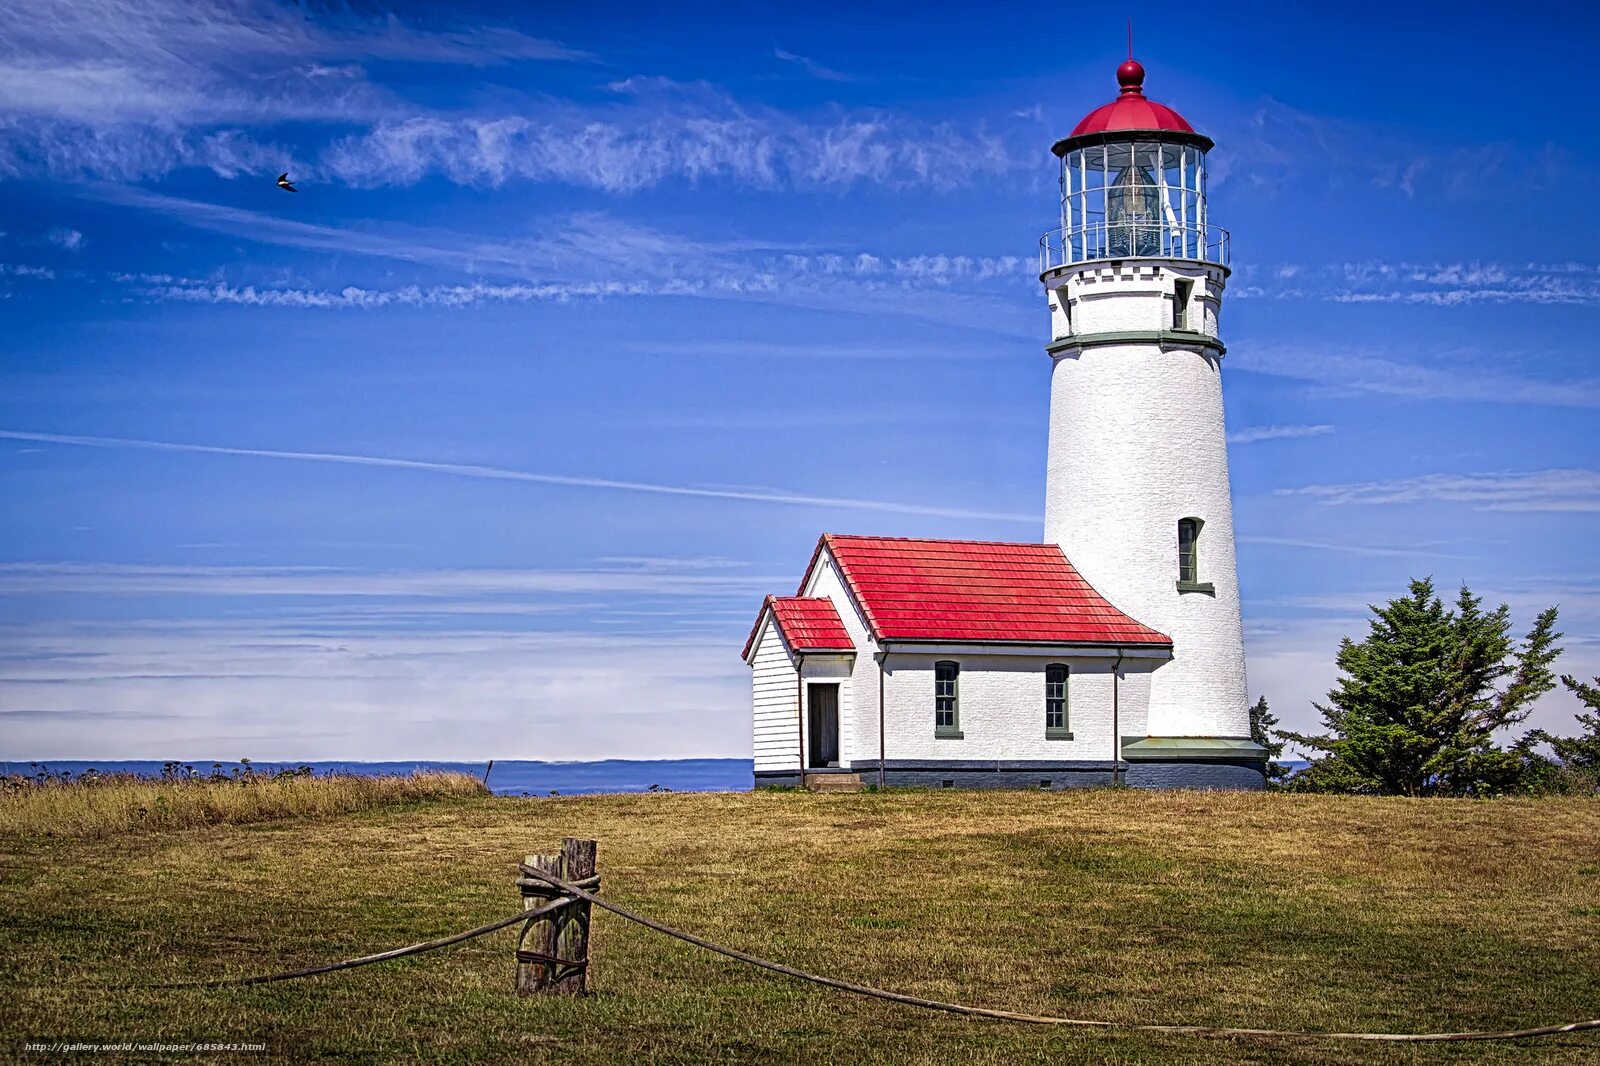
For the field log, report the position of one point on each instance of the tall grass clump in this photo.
(94, 804)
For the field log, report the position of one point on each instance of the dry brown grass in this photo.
(122, 804)
(1230, 909)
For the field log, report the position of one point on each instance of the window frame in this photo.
(1190, 560)
(1182, 298)
(1063, 731)
(952, 730)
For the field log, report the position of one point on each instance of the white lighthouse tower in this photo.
(1111, 652)
(1137, 492)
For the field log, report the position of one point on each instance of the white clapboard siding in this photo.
(777, 729)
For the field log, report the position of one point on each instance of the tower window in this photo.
(1189, 557)
(1189, 550)
(1182, 293)
(1055, 702)
(946, 701)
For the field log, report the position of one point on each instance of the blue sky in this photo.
(583, 326)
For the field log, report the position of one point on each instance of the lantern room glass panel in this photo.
(1134, 198)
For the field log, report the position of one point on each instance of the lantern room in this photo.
(1133, 184)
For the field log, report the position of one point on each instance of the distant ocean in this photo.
(511, 777)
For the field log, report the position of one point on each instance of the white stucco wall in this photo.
(777, 738)
(1138, 441)
(1094, 294)
(1001, 705)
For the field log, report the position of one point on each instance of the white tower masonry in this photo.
(1137, 494)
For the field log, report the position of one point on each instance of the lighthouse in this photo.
(1137, 489)
(1110, 652)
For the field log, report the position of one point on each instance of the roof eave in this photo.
(1087, 140)
(755, 630)
(1165, 643)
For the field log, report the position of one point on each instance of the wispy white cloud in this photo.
(128, 92)
(167, 60)
(588, 256)
(812, 67)
(1429, 284)
(1274, 145)
(1541, 490)
(1352, 548)
(502, 474)
(352, 296)
(583, 256)
(888, 351)
(203, 689)
(1254, 434)
(1378, 373)
(630, 147)
(111, 579)
(69, 239)
(23, 270)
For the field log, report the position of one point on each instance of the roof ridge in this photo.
(945, 540)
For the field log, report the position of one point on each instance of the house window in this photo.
(946, 699)
(1055, 702)
(1189, 557)
(1181, 294)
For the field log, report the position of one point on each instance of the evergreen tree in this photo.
(1579, 755)
(1263, 730)
(1419, 701)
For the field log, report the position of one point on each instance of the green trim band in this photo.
(1206, 749)
(1197, 586)
(1180, 338)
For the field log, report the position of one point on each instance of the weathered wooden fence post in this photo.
(553, 951)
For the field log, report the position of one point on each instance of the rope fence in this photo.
(564, 968)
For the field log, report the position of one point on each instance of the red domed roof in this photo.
(1132, 111)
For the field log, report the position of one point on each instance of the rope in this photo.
(1038, 1019)
(368, 960)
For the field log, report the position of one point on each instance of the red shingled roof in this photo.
(808, 624)
(967, 590)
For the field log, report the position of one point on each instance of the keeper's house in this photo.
(1113, 650)
(963, 664)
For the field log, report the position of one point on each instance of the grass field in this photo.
(1229, 909)
(115, 805)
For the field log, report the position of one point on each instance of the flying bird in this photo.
(285, 184)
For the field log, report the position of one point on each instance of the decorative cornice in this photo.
(1166, 338)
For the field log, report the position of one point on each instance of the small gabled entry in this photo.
(822, 725)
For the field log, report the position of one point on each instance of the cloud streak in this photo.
(1346, 548)
(1427, 284)
(492, 473)
(812, 67)
(1571, 491)
(114, 579)
(1256, 434)
(1374, 373)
